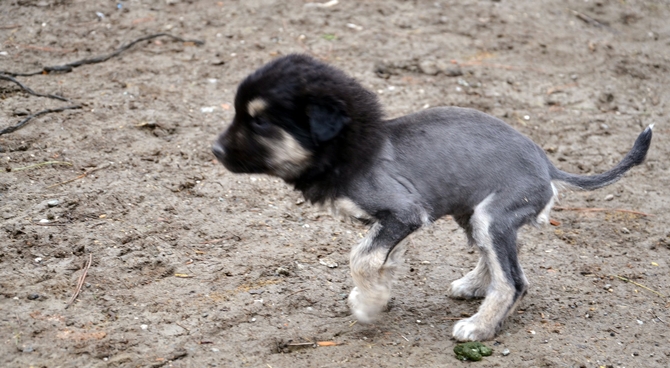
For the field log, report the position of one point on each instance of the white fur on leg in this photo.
(500, 294)
(484, 324)
(474, 284)
(543, 217)
(367, 307)
(373, 276)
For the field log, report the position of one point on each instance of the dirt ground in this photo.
(193, 266)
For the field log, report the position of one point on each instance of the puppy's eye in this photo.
(260, 125)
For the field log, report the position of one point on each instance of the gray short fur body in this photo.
(320, 130)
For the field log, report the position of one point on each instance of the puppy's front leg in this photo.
(373, 263)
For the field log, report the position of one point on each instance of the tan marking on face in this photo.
(288, 158)
(256, 106)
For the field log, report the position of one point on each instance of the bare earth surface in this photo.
(195, 267)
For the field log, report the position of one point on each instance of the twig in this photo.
(295, 292)
(66, 68)
(656, 316)
(327, 343)
(497, 66)
(80, 283)
(30, 91)
(11, 26)
(80, 176)
(589, 209)
(404, 337)
(25, 121)
(301, 344)
(185, 328)
(46, 49)
(639, 285)
(48, 224)
(585, 18)
(42, 164)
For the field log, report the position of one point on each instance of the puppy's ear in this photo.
(326, 120)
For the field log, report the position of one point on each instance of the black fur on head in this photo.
(332, 117)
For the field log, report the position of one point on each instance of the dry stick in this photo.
(300, 343)
(80, 176)
(11, 26)
(66, 68)
(656, 316)
(295, 292)
(589, 209)
(498, 66)
(25, 121)
(640, 285)
(591, 21)
(6, 75)
(30, 91)
(80, 283)
(42, 164)
(46, 49)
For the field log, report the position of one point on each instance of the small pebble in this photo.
(625, 230)
(609, 197)
(53, 203)
(328, 262)
(27, 349)
(607, 286)
(33, 296)
(144, 327)
(505, 352)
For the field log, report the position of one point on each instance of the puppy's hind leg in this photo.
(496, 240)
(374, 263)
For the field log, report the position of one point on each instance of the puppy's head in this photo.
(287, 114)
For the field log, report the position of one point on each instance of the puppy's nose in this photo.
(218, 151)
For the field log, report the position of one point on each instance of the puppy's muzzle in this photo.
(219, 152)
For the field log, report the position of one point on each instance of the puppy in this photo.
(318, 129)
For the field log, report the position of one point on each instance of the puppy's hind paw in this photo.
(470, 329)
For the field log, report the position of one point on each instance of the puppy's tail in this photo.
(634, 157)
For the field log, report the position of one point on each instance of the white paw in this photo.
(365, 309)
(469, 330)
(464, 289)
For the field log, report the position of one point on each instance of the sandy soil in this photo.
(195, 267)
